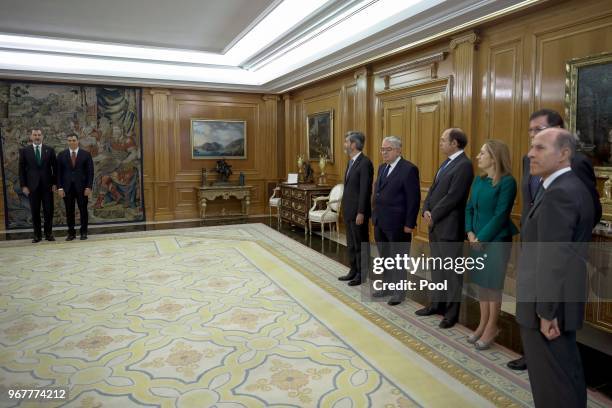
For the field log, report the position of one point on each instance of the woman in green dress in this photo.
(490, 230)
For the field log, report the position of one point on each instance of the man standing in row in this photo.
(37, 164)
(75, 174)
(444, 213)
(397, 197)
(531, 184)
(551, 281)
(356, 204)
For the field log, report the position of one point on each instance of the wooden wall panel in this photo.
(172, 176)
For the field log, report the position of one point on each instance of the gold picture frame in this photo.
(218, 139)
(320, 135)
(588, 110)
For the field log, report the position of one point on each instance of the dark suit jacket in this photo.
(447, 198)
(358, 189)
(582, 167)
(551, 279)
(31, 175)
(81, 175)
(397, 198)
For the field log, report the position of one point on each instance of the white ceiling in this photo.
(245, 45)
(203, 25)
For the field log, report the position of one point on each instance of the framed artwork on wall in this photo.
(320, 135)
(588, 100)
(218, 139)
(588, 109)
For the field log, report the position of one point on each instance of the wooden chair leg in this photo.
(309, 227)
(322, 230)
(338, 229)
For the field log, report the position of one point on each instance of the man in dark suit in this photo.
(530, 184)
(551, 280)
(75, 174)
(356, 204)
(397, 197)
(444, 213)
(37, 167)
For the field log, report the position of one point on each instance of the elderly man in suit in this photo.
(551, 282)
(397, 197)
(530, 184)
(75, 174)
(444, 213)
(356, 204)
(37, 167)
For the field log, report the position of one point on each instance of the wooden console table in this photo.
(210, 193)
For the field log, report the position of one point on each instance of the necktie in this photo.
(443, 167)
(37, 154)
(534, 186)
(73, 158)
(350, 165)
(539, 193)
(383, 176)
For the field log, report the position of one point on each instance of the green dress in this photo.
(487, 215)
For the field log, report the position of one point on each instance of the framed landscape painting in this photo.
(218, 139)
(320, 134)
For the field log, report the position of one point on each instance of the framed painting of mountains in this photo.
(218, 139)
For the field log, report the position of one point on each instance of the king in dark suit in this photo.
(397, 197)
(37, 167)
(444, 212)
(75, 173)
(551, 282)
(356, 204)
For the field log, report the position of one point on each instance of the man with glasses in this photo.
(530, 184)
(397, 197)
(37, 176)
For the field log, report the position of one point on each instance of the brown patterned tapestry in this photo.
(107, 120)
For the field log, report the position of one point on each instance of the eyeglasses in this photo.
(536, 130)
(386, 149)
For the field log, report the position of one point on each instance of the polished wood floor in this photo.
(596, 363)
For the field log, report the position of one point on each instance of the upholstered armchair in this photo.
(275, 201)
(329, 215)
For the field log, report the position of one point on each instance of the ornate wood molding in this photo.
(470, 38)
(412, 72)
(464, 50)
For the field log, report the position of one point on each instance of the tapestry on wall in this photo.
(107, 121)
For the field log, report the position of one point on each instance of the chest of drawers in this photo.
(296, 200)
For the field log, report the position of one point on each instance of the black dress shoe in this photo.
(83, 237)
(355, 282)
(519, 364)
(36, 239)
(70, 237)
(446, 324)
(50, 238)
(347, 277)
(426, 311)
(394, 302)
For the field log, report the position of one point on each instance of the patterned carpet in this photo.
(231, 316)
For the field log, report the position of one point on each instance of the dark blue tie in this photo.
(443, 167)
(350, 165)
(534, 186)
(383, 176)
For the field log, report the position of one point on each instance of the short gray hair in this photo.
(565, 140)
(394, 140)
(357, 137)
